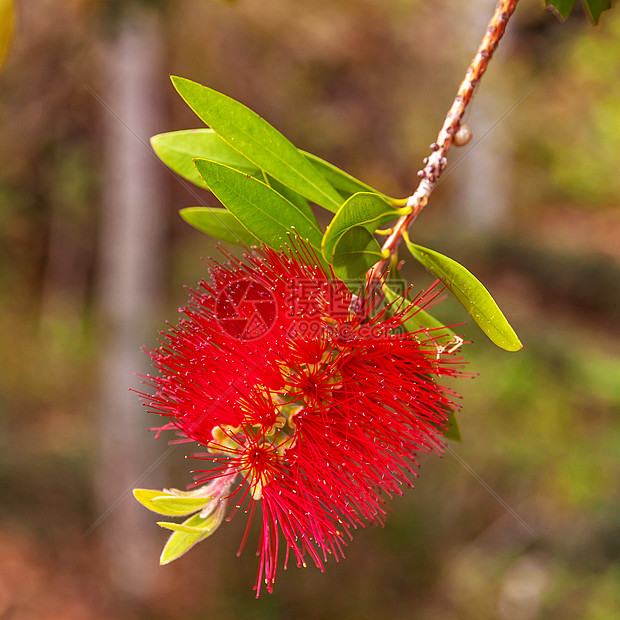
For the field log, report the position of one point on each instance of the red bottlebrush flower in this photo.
(311, 404)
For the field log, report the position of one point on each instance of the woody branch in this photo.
(436, 162)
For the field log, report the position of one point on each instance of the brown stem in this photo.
(436, 162)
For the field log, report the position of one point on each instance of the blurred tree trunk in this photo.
(130, 280)
(482, 201)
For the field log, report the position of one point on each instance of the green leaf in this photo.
(179, 505)
(342, 181)
(257, 140)
(355, 253)
(563, 7)
(165, 503)
(596, 7)
(7, 25)
(454, 432)
(417, 318)
(178, 149)
(264, 212)
(299, 201)
(472, 295)
(184, 539)
(144, 496)
(364, 210)
(179, 527)
(219, 223)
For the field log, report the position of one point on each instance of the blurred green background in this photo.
(521, 521)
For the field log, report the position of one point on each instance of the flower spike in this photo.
(313, 404)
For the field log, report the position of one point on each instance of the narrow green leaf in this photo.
(180, 527)
(596, 7)
(454, 432)
(364, 210)
(183, 540)
(178, 149)
(562, 7)
(355, 253)
(297, 199)
(169, 504)
(472, 295)
(257, 140)
(180, 543)
(264, 212)
(178, 505)
(144, 496)
(219, 223)
(342, 181)
(7, 25)
(418, 318)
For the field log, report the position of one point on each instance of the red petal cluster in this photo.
(315, 399)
